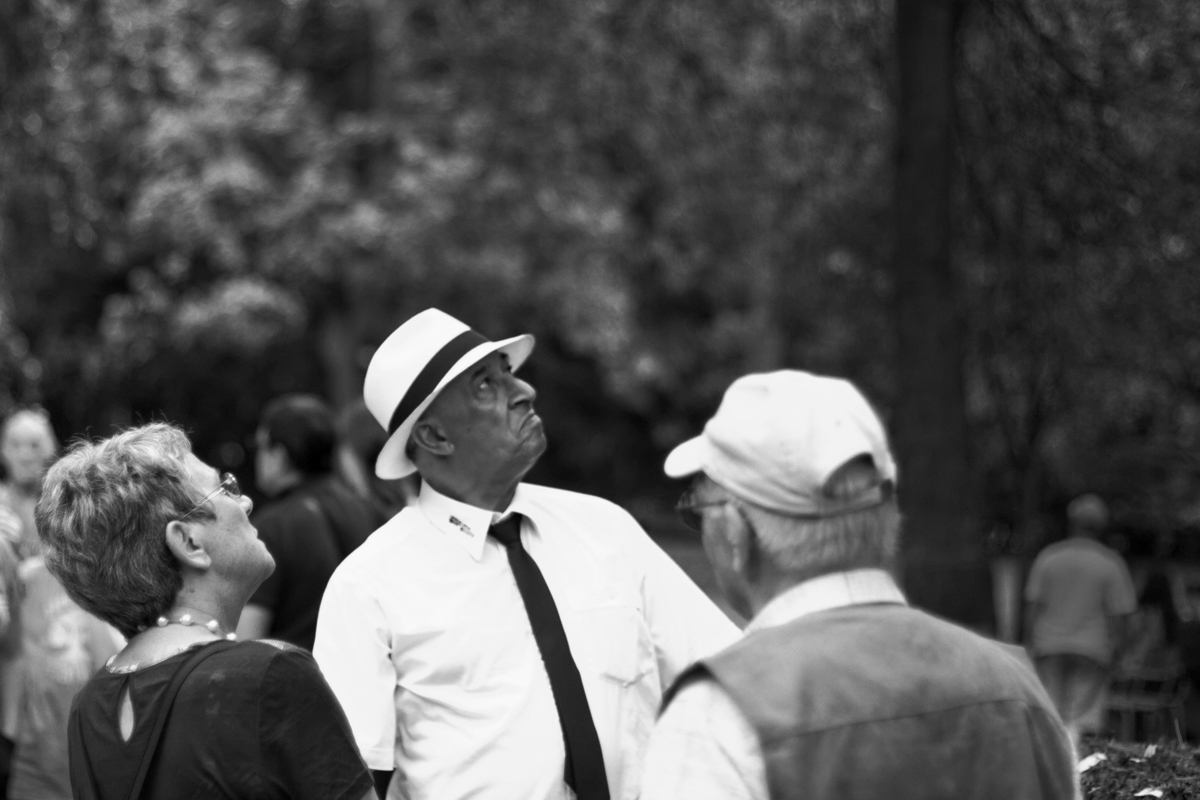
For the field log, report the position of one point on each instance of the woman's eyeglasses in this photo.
(228, 486)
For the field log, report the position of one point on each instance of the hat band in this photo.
(429, 377)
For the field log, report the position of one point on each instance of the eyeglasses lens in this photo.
(689, 513)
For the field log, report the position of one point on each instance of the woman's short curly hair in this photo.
(102, 518)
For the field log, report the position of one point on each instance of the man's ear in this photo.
(429, 435)
(186, 543)
(740, 540)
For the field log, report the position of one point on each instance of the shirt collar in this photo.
(825, 592)
(464, 523)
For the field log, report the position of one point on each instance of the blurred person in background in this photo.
(498, 639)
(361, 441)
(153, 540)
(1079, 597)
(55, 645)
(839, 689)
(1153, 630)
(27, 446)
(312, 521)
(61, 647)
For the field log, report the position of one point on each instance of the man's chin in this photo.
(536, 439)
(533, 447)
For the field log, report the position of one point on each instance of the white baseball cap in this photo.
(778, 437)
(415, 363)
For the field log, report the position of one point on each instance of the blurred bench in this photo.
(1155, 695)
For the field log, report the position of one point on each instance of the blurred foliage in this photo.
(1080, 254)
(204, 203)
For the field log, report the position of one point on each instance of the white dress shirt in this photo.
(703, 748)
(425, 640)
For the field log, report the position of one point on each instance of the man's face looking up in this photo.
(487, 414)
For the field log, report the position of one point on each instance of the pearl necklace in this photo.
(213, 626)
(187, 620)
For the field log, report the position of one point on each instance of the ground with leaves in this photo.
(1140, 770)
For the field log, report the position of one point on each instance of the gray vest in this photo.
(886, 702)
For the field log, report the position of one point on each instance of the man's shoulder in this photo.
(1066, 553)
(839, 644)
(1110, 557)
(398, 536)
(1083, 555)
(1056, 549)
(874, 622)
(566, 501)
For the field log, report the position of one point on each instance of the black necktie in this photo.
(584, 770)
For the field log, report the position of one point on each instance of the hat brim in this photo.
(687, 458)
(392, 463)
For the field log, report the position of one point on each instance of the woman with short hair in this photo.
(151, 539)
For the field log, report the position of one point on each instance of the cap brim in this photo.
(687, 458)
(392, 463)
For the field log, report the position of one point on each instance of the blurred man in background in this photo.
(1078, 599)
(839, 689)
(361, 440)
(312, 522)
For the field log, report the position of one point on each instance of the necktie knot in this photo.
(508, 530)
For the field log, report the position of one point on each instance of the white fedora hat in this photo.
(413, 365)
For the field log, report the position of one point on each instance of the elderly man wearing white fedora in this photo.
(498, 639)
(839, 689)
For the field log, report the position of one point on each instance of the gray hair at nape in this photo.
(803, 548)
(102, 518)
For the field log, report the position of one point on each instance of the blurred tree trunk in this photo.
(944, 569)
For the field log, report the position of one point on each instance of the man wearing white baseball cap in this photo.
(498, 639)
(839, 689)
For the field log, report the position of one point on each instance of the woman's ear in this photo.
(185, 540)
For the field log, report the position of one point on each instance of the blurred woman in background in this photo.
(54, 646)
(27, 448)
(1153, 641)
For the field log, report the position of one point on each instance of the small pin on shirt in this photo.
(462, 526)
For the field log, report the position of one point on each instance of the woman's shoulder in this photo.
(252, 671)
(269, 660)
(262, 653)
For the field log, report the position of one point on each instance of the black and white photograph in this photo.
(599, 399)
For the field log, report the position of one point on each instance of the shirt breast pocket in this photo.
(615, 644)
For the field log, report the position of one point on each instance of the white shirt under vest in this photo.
(426, 642)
